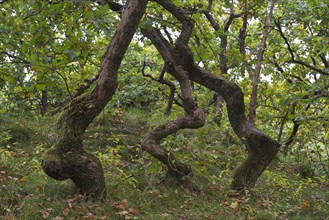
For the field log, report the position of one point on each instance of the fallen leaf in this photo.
(44, 214)
(97, 134)
(234, 205)
(305, 204)
(72, 199)
(123, 204)
(90, 215)
(122, 213)
(66, 211)
(225, 203)
(113, 203)
(23, 179)
(135, 211)
(69, 203)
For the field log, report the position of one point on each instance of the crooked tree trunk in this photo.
(261, 148)
(67, 159)
(151, 144)
(195, 118)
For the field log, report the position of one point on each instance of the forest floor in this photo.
(133, 177)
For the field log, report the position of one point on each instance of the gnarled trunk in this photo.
(261, 148)
(151, 144)
(67, 159)
(195, 118)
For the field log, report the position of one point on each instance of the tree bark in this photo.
(44, 102)
(67, 159)
(222, 54)
(261, 148)
(256, 75)
(195, 118)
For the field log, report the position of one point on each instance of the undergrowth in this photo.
(133, 177)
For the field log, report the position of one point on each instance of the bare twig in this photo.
(323, 72)
(165, 82)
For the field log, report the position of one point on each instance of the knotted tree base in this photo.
(82, 168)
(261, 151)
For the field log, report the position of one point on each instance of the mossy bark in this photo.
(81, 167)
(67, 159)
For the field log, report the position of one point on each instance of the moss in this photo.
(52, 164)
(52, 155)
(82, 168)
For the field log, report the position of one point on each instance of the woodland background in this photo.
(276, 52)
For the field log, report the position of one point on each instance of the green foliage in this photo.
(48, 48)
(55, 46)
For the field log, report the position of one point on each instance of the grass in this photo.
(132, 177)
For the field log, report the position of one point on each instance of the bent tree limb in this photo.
(67, 159)
(261, 148)
(195, 117)
(166, 82)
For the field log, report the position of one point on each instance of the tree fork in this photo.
(261, 148)
(195, 117)
(67, 159)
